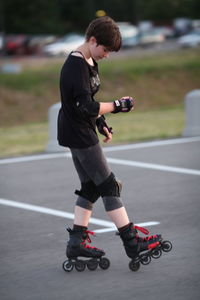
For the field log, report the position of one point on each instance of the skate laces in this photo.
(88, 239)
(88, 233)
(146, 232)
(142, 229)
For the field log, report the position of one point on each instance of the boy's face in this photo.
(98, 51)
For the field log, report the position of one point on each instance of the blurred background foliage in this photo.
(62, 16)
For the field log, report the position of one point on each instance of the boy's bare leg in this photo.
(119, 217)
(81, 216)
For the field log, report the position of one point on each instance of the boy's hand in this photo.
(125, 104)
(104, 129)
(108, 135)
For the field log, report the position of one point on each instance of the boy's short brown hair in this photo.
(106, 32)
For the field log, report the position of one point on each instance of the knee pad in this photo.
(88, 191)
(110, 187)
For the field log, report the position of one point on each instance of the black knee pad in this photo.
(110, 187)
(88, 191)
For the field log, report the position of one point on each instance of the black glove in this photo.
(125, 104)
(101, 123)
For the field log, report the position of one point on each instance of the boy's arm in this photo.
(106, 107)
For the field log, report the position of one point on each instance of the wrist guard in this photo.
(101, 123)
(125, 104)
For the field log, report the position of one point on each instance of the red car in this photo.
(16, 44)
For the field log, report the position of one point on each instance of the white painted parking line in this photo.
(105, 149)
(144, 224)
(138, 164)
(50, 211)
(33, 158)
(152, 144)
(58, 213)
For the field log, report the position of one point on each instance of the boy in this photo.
(77, 121)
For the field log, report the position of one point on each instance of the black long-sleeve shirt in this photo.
(79, 82)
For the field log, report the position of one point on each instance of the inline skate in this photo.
(77, 246)
(142, 249)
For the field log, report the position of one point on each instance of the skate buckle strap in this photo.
(154, 245)
(142, 229)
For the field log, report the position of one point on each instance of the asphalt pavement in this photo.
(161, 188)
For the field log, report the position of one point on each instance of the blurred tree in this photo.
(61, 16)
(118, 9)
(38, 16)
(169, 9)
(76, 14)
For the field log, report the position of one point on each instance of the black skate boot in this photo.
(141, 249)
(77, 246)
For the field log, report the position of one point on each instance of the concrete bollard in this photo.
(192, 111)
(53, 145)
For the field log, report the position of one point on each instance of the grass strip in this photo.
(128, 128)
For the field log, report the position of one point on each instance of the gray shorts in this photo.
(91, 164)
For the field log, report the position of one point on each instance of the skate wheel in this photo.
(156, 254)
(166, 246)
(92, 264)
(104, 263)
(68, 266)
(80, 265)
(134, 266)
(145, 259)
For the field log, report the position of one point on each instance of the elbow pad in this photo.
(88, 109)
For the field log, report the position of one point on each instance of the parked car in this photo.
(145, 26)
(16, 44)
(190, 40)
(167, 32)
(1, 42)
(151, 37)
(64, 45)
(37, 42)
(182, 26)
(129, 34)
